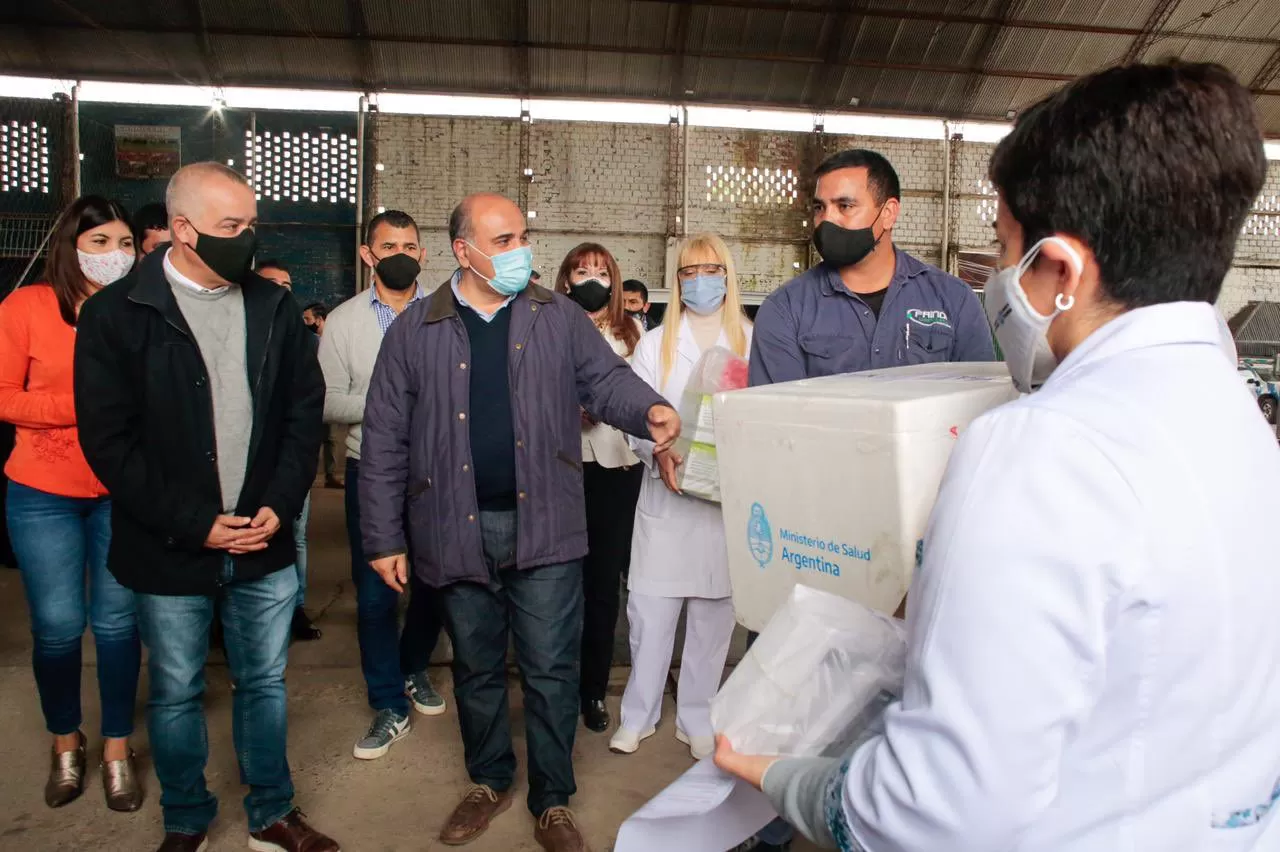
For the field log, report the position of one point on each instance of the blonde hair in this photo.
(734, 319)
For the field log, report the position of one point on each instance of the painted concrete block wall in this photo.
(601, 183)
(921, 168)
(612, 184)
(430, 163)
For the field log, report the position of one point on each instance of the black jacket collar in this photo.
(261, 297)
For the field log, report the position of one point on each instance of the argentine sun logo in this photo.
(760, 536)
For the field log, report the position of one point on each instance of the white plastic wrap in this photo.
(717, 370)
(816, 681)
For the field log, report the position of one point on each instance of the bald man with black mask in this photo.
(200, 400)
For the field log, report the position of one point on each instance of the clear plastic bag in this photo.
(717, 370)
(817, 680)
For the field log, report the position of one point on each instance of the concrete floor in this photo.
(396, 804)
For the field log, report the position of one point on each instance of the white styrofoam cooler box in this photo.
(829, 482)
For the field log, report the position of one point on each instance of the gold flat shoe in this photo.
(121, 785)
(66, 777)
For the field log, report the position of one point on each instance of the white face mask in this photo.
(103, 269)
(1019, 328)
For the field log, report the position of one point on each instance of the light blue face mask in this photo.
(511, 270)
(704, 294)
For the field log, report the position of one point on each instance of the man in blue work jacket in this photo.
(867, 306)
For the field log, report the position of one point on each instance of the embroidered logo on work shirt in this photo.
(923, 317)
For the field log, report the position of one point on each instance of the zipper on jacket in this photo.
(266, 351)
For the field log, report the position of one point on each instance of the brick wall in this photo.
(619, 185)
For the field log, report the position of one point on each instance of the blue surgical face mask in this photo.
(703, 294)
(511, 270)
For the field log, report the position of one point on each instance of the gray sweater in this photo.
(217, 319)
(348, 350)
(797, 788)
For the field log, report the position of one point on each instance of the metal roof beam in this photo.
(524, 77)
(13, 19)
(356, 16)
(211, 67)
(829, 49)
(1151, 30)
(970, 20)
(676, 88)
(847, 62)
(990, 38)
(1270, 70)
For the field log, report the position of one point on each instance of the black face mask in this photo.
(591, 294)
(842, 247)
(230, 258)
(398, 272)
(312, 327)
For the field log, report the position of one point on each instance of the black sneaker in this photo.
(302, 629)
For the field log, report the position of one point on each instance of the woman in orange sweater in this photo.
(59, 514)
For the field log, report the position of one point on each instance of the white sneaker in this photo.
(699, 747)
(626, 742)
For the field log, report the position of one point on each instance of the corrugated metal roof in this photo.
(599, 74)
(974, 58)
(1242, 17)
(319, 16)
(754, 31)
(605, 23)
(442, 20)
(1067, 53)
(1256, 329)
(328, 62)
(447, 68)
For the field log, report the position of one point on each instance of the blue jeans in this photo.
(300, 548)
(255, 618)
(387, 653)
(542, 607)
(58, 542)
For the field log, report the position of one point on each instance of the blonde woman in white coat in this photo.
(678, 555)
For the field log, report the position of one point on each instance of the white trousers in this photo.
(708, 629)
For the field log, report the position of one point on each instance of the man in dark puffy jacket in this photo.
(472, 420)
(199, 401)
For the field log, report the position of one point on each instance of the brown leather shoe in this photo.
(557, 831)
(472, 816)
(291, 834)
(174, 842)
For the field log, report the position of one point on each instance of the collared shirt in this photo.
(172, 273)
(457, 294)
(385, 313)
(815, 326)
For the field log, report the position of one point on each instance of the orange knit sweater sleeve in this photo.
(23, 318)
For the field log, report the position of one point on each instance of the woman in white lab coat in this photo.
(1094, 635)
(678, 555)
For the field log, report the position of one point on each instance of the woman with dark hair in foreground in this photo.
(59, 514)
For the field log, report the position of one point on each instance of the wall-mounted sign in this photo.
(147, 151)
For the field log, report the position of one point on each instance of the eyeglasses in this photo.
(688, 273)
